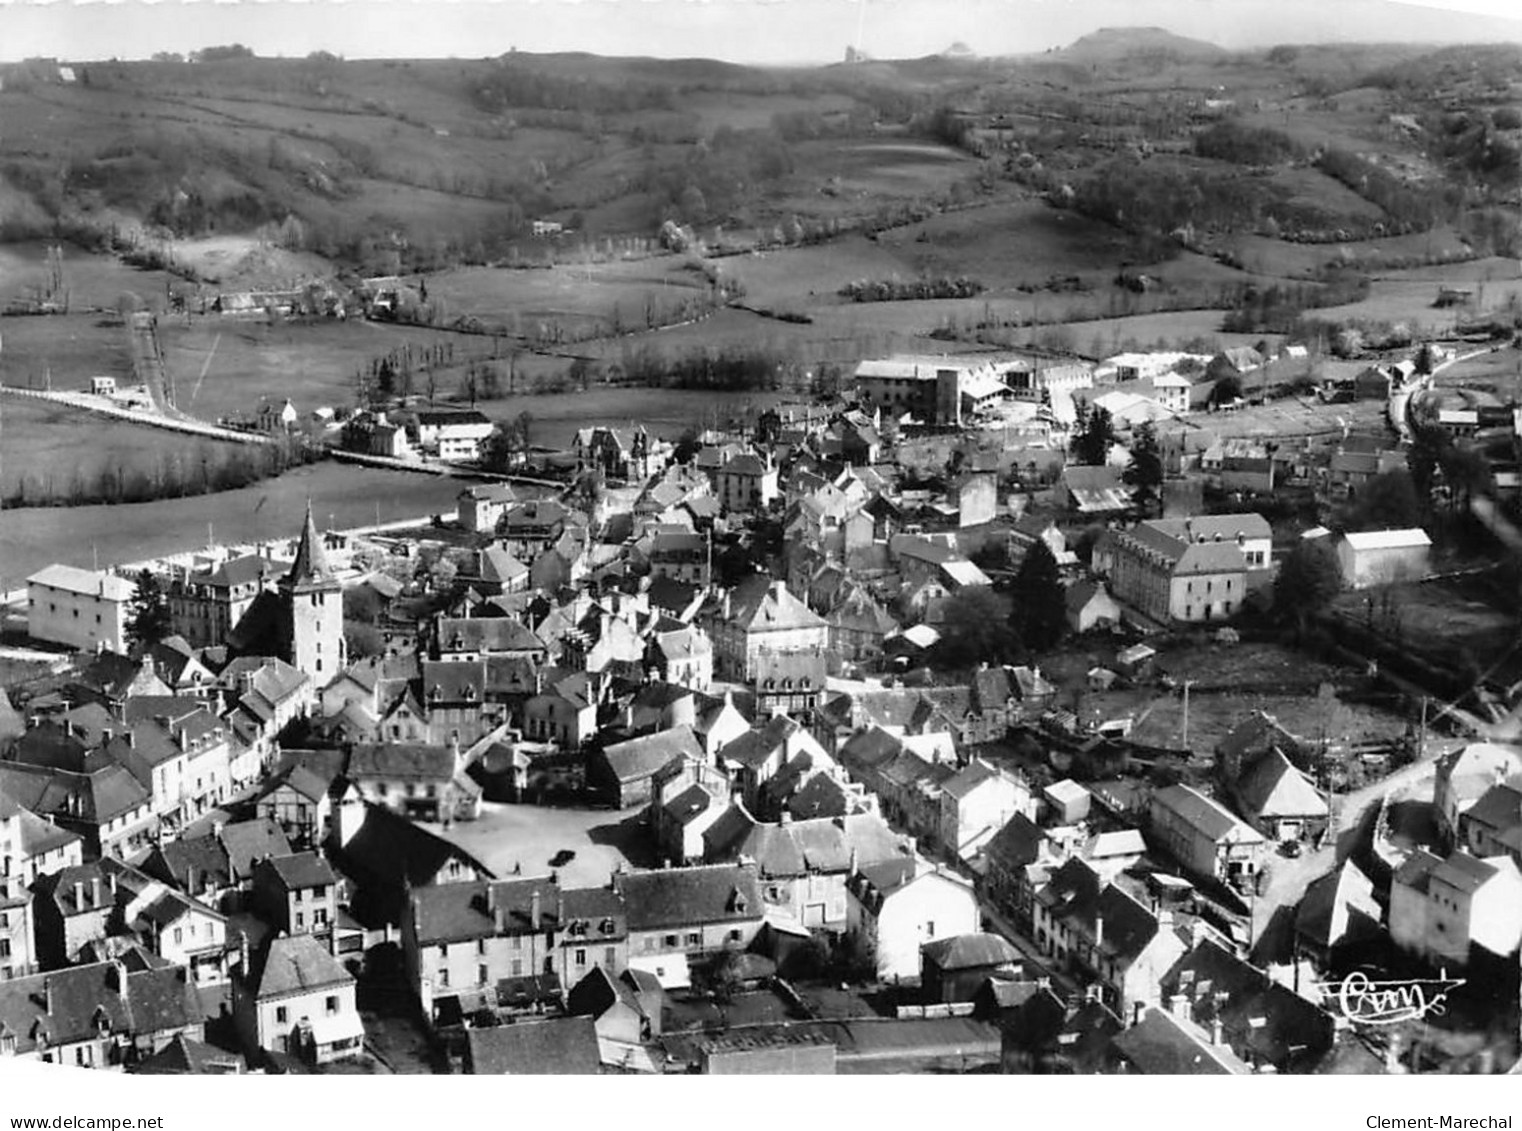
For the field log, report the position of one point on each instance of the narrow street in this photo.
(1037, 965)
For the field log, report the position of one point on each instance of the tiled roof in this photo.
(301, 870)
(1161, 1045)
(1203, 814)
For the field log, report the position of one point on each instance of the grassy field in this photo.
(1399, 300)
(311, 363)
(575, 297)
(50, 447)
(1265, 256)
(68, 349)
(91, 280)
(341, 495)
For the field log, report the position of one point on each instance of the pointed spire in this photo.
(311, 564)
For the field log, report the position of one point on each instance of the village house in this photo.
(455, 435)
(204, 605)
(98, 1015)
(1492, 826)
(293, 998)
(680, 914)
(761, 615)
(625, 454)
(298, 799)
(481, 506)
(1467, 775)
(562, 1046)
(1204, 837)
(563, 708)
(1098, 932)
(1278, 800)
(626, 771)
(888, 923)
(956, 969)
(420, 780)
(746, 483)
(1443, 911)
(297, 893)
(977, 802)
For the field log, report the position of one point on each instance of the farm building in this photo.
(1380, 557)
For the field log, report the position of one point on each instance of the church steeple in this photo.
(311, 565)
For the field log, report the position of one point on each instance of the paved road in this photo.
(1037, 964)
(1288, 879)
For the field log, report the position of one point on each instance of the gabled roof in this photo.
(676, 897)
(967, 952)
(416, 761)
(296, 964)
(299, 870)
(1271, 787)
(1162, 1045)
(311, 568)
(565, 1046)
(1203, 814)
(248, 842)
(185, 1056)
(641, 757)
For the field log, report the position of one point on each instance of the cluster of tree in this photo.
(1230, 140)
(395, 373)
(1410, 206)
(512, 84)
(1472, 143)
(1276, 309)
(987, 625)
(732, 369)
(1093, 435)
(718, 176)
(222, 53)
(898, 290)
(508, 445)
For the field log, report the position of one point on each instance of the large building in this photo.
(945, 391)
(1188, 569)
(761, 615)
(85, 609)
(206, 604)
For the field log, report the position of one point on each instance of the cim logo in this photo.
(1368, 1002)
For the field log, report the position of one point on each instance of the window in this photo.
(331, 1005)
(178, 934)
(694, 938)
(443, 951)
(300, 921)
(609, 957)
(320, 917)
(930, 926)
(444, 978)
(734, 936)
(517, 968)
(517, 942)
(671, 940)
(483, 975)
(480, 946)
(280, 1015)
(5, 948)
(581, 956)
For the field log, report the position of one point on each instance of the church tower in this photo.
(314, 601)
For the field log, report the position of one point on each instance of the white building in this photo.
(83, 608)
(1381, 557)
(889, 922)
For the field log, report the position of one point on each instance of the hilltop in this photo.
(1124, 43)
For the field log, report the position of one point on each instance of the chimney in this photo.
(1138, 1011)
(855, 862)
(786, 818)
(243, 953)
(95, 890)
(111, 880)
(190, 879)
(1099, 931)
(79, 895)
(119, 976)
(1215, 1032)
(1178, 1005)
(534, 909)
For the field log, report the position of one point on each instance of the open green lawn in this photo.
(91, 279)
(1411, 302)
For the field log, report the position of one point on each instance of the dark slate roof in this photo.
(1159, 1045)
(966, 952)
(678, 897)
(1014, 846)
(390, 851)
(486, 634)
(297, 964)
(418, 761)
(641, 757)
(248, 842)
(1262, 1021)
(185, 1056)
(301, 870)
(565, 1046)
(461, 912)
